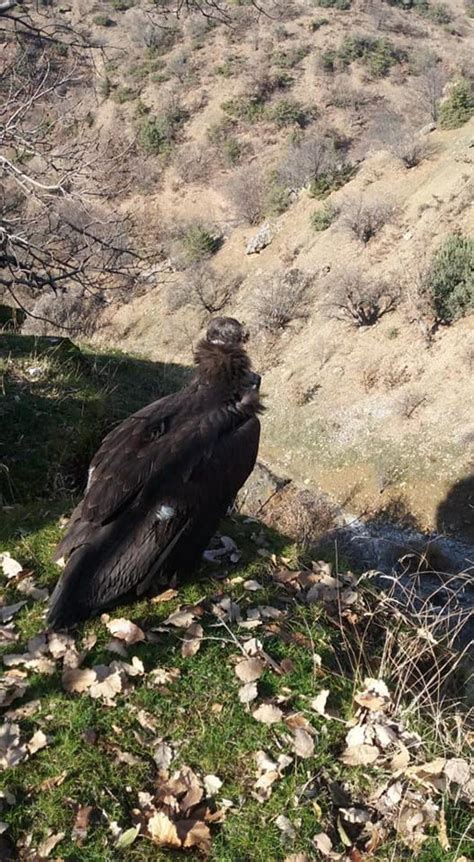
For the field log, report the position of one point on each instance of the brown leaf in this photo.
(318, 703)
(323, 843)
(360, 755)
(248, 692)
(181, 619)
(163, 831)
(107, 685)
(125, 630)
(192, 640)
(194, 833)
(303, 743)
(249, 669)
(37, 741)
(375, 696)
(267, 713)
(166, 596)
(81, 823)
(10, 567)
(48, 845)
(78, 679)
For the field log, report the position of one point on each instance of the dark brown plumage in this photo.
(160, 483)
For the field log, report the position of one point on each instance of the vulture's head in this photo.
(223, 361)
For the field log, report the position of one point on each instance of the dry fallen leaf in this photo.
(267, 713)
(162, 675)
(81, 823)
(318, 703)
(166, 596)
(323, 843)
(249, 669)
(163, 831)
(162, 755)
(303, 743)
(127, 838)
(107, 685)
(212, 785)
(10, 566)
(375, 695)
(286, 827)
(125, 630)
(37, 741)
(48, 845)
(360, 755)
(78, 679)
(180, 619)
(192, 640)
(248, 692)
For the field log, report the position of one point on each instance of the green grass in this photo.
(58, 420)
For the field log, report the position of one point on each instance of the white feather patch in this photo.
(165, 513)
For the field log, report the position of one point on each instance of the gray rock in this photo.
(262, 238)
(430, 127)
(260, 487)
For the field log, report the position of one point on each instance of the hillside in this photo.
(194, 130)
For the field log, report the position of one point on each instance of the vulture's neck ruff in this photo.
(227, 368)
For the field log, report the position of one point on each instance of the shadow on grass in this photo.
(59, 402)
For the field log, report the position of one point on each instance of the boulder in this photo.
(262, 238)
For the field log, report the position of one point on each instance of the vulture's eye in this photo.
(255, 381)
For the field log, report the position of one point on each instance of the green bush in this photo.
(328, 60)
(329, 182)
(103, 21)
(122, 5)
(285, 112)
(124, 94)
(232, 151)
(450, 279)
(317, 23)
(277, 197)
(342, 5)
(377, 54)
(458, 108)
(199, 243)
(323, 218)
(290, 58)
(249, 109)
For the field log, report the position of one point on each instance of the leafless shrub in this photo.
(370, 376)
(404, 142)
(430, 84)
(181, 67)
(410, 402)
(420, 302)
(281, 299)
(76, 311)
(247, 191)
(204, 290)
(307, 159)
(193, 164)
(360, 300)
(365, 217)
(396, 375)
(344, 95)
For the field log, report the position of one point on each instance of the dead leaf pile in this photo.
(374, 734)
(102, 682)
(268, 772)
(226, 551)
(12, 750)
(181, 811)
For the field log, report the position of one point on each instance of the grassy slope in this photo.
(59, 419)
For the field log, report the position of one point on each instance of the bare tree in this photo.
(364, 217)
(430, 85)
(280, 299)
(204, 290)
(55, 231)
(309, 158)
(360, 300)
(247, 190)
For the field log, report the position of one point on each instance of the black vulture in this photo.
(160, 483)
